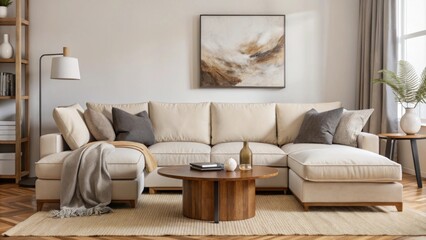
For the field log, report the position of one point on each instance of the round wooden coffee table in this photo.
(218, 195)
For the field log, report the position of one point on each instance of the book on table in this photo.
(206, 166)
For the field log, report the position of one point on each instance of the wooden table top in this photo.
(401, 136)
(186, 173)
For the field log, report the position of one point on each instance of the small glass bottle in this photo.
(246, 157)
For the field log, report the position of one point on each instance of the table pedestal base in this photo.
(235, 200)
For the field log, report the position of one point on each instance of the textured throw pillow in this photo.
(135, 128)
(319, 127)
(106, 109)
(350, 126)
(99, 126)
(71, 125)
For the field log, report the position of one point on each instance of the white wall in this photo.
(148, 50)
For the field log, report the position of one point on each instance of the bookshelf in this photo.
(21, 99)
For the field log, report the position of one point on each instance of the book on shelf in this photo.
(6, 156)
(4, 128)
(206, 165)
(8, 123)
(8, 137)
(7, 131)
(7, 84)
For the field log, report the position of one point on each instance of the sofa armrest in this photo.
(51, 143)
(369, 142)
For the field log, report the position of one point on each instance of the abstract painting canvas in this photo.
(242, 51)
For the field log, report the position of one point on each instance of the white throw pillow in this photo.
(71, 125)
(350, 126)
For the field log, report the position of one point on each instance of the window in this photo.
(412, 39)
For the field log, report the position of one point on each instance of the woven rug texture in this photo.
(161, 214)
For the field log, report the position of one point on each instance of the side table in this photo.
(390, 145)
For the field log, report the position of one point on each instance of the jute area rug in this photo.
(161, 214)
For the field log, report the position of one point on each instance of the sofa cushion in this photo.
(106, 109)
(350, 126)
(99, 126)
(319, 127)
(122, 163)
(71, 125)
(180, 153)
(338, 163)
(263, 153)
(237, 122)
(290, 118)
(291, 147)
(181, 122)
(135, 128)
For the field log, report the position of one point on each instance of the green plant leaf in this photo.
(407, 86)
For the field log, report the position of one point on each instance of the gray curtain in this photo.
(378, 49)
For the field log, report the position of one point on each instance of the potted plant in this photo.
(409, 89)
(3, 7)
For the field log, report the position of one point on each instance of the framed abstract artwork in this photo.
(242, 51)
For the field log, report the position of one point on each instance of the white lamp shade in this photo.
(65, 68)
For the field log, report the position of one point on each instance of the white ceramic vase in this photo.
(410, 122)
(3, 11)
(230, 165)
(6, 50)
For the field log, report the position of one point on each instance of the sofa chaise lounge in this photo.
(317, 174)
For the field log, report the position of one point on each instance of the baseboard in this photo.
(412, 172)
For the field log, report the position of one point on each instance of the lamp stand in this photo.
(30, 181)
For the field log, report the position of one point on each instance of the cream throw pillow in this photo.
(71, 125)
(350, 126)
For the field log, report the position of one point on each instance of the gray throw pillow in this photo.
(350, 126)
(135, 128)
(99, 126)
(319, 127)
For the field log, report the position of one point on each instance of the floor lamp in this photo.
(62, 68)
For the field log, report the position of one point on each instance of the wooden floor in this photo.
(17, 204)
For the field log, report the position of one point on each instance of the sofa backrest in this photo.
(290, 117)
(106, 109)
(180, 122)
(236, 122)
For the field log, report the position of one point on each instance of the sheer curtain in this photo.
(378, 49)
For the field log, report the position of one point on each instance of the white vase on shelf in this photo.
(410, 122)
(6, 50)
(3, 11)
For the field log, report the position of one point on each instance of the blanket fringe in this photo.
(67, 212)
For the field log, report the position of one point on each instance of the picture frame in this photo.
(242, 51)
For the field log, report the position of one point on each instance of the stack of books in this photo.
(7, 84)
(7, 130)
(206, 166)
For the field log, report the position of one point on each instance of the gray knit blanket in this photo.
(85, 182)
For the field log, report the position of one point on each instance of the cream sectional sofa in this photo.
(317, 174)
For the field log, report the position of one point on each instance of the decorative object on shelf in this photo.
(62, 68)
(409, 90)
(3, 7)
(230, 164)
(242, 51)
(6, 49)
(246, 155)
